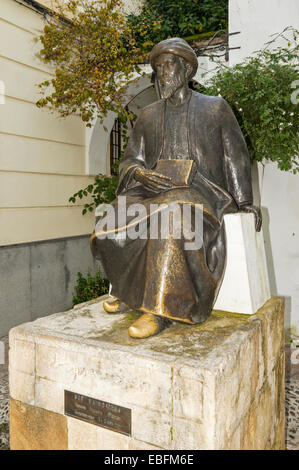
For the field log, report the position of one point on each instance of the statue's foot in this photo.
(114, 306)
(148, 325)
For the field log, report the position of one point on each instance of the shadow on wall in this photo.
(268, 246)
(271, 271)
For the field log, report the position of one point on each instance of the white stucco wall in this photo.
(278, 191)
(42, 157)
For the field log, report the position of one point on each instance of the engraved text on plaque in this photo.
(101, 413)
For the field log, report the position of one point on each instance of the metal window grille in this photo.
(115, 146)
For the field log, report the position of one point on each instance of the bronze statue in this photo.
(159, 277)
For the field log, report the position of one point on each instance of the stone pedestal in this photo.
(219, 385)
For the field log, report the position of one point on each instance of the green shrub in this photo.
(259, 91)
(90, 287)
(161, 19)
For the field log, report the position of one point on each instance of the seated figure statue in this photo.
(158, 276)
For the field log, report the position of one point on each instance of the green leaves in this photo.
(90, 52)
(103, 190)
(259, 91)
(160, 19)
(90, 287)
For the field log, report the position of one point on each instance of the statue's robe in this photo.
(159, 276)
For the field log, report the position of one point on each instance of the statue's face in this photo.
(171, 73)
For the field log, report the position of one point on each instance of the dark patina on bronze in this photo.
(100, 413)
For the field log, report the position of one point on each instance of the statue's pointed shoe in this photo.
(114, 306)
(148, 325)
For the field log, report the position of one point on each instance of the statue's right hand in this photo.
(152, 180)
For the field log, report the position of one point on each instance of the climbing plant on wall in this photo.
(161, 19)
(94, 52)
(260, 91)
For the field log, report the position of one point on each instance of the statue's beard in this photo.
(170, 86)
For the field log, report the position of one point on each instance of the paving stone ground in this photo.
(292, 396)
(292, 399)
(4, 428)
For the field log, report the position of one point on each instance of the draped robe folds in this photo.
(160, 276)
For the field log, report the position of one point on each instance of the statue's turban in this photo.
(175, 46)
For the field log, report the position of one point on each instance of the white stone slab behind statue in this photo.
(245, 287)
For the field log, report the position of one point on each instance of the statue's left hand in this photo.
(257, 215)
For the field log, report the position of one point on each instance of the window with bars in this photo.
(115, 146)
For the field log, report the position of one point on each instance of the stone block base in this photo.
(219, 385)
